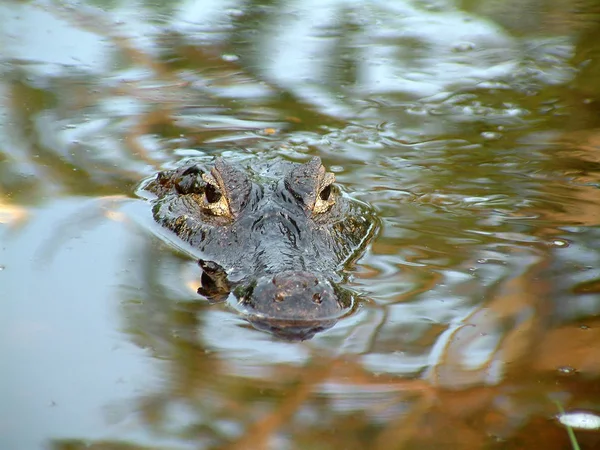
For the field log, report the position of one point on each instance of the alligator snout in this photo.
(296, 304)
(293, 289)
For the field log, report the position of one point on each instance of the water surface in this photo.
(470, 127)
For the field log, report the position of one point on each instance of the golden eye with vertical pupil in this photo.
(213, 201)
(312, 185)
(325, 200)
(325, 193)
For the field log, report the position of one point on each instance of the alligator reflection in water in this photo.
(276, 236)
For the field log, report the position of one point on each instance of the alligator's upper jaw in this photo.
(294, 305)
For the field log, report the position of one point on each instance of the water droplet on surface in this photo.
(228, 57)
(560, 243)
(567, 370)
(491, 135)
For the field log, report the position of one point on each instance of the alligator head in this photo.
(276, 237)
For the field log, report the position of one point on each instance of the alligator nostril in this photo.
(316, 298)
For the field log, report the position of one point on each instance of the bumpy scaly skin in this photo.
(276, 235)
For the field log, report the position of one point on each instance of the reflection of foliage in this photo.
(75, 444)
(44, 157)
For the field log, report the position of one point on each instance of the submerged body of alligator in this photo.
(276, 236)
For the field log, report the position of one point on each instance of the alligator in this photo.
(278, 235)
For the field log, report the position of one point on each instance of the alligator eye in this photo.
(213, 200)
(325, 200)
(212, 194)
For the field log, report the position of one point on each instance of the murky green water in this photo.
(473, 128)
